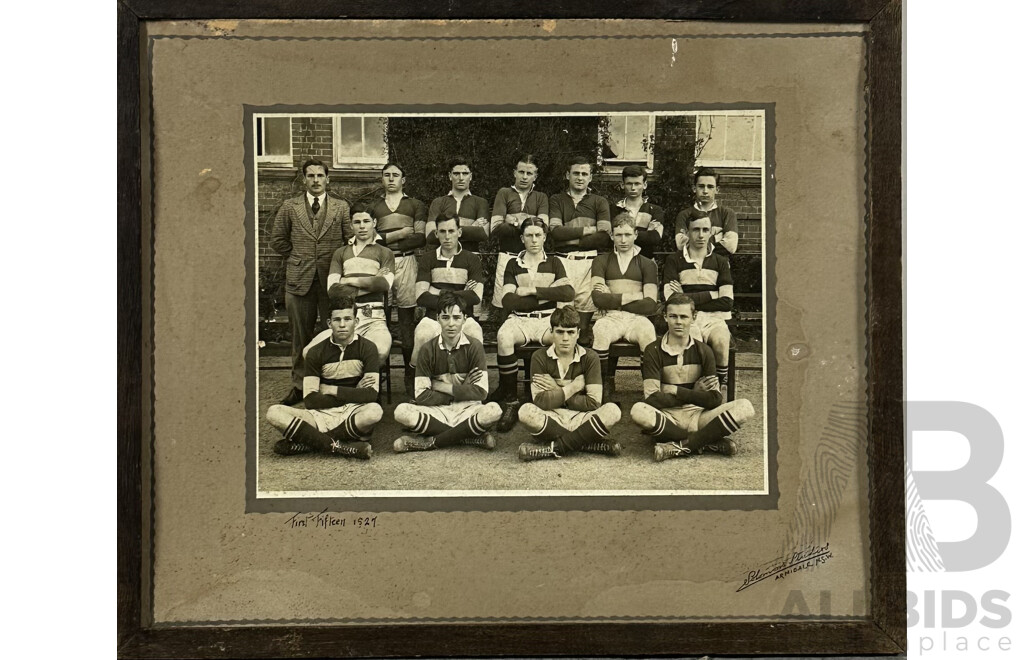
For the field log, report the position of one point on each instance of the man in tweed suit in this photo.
(306, 232)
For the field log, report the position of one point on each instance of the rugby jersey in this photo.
(471, 209)
(344, 366)
(435, 270)
(639, 272)
(508, 201)
(409, 213)
(701, 280)
(664, 369)
(568, 219)
(584, 363)
(723, 219)
(549, 278)
(370, 259)
(436, 362)
(650, 224)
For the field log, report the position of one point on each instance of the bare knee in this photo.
(369, 415)
(531, 416)
(741, 410)
(609, 414)
(405, 415)
(280, 416)
(506, 340)
(489, 414)
(643, 414)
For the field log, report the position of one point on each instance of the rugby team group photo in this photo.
(575, 281)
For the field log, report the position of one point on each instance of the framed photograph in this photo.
(486, 335)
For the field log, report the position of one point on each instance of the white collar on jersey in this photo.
(463, 341)
(665, 347)
(576, 357)
(458, 249)
(686, 253)
(373, 239)
(519, 258)
(622, 202)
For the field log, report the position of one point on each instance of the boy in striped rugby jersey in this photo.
(648, 218)
(703, 273)
(339, 387)
(625, 294)
(512, 206)
(580, 230)
(401, 223)
(534, 284)
(682, 406)
(451, 383)
(566, 413)
(724, 228)
(470, 210)
(365, 270)
(448, 268)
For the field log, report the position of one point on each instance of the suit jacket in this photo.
(306, 254)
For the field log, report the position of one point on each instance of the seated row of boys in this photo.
(310, 229)
(682, 409)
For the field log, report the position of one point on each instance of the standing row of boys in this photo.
(341, 266)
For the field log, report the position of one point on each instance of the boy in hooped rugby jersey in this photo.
(511, 206)
(566, 414)
(451, 383)
(339, 387)
(682, 407)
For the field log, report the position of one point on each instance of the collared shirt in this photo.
(664, 368)
(471, 211)
(584, 363)
(436, 362)
(364, 261)
(548, 273)
(723, 219)
(699, 278)
(590, 211)
(629, 278)
(647, 217)
(510, 201)
(310, 197)
(448, 274)
(410, 212)
(339, 365)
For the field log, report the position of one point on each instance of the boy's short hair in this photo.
(623, 218)
(443, 218)
(634, 170)
(449, 299)
(705, 171)
(565, 317)
(579, 160)
(680, 298)
(532, 221)
(527, 159)
(695, 216)
(393, 164)
(311, 162)
(340, 301)
(459, 160)
(362, 207)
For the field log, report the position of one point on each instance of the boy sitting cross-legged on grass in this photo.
(567, 414)
(339, 392)
(451, 383)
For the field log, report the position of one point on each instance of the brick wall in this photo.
(312, 137)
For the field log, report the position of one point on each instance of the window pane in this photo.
(351, 143)
(373, 129)
(711, 132)
(741, 137)
(278, 136)
(626, 136)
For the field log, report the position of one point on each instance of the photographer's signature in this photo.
(780, 567)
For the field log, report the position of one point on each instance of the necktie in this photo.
(318, 222)
(316, 205)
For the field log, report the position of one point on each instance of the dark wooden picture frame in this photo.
(884, 630)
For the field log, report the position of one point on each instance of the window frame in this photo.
(731, 163)
(358, 162)
(260, 125)
(616, 164)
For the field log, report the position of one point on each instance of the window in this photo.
(273, 139)
(730, 140)
(630, 141)
(360, 141)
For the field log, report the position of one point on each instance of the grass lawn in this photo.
(472, 468)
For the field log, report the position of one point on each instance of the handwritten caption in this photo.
(325, 520)
(781, 567)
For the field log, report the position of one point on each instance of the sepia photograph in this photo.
(510, 304)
